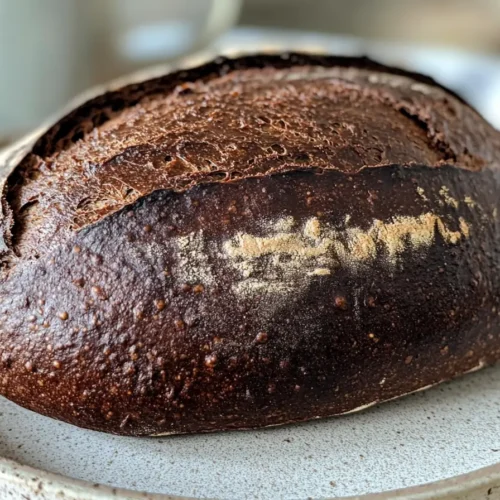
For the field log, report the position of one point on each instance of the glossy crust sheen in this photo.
(254, 242)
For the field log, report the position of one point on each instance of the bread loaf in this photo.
(250, 243)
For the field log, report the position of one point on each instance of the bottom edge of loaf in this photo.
(482, 364)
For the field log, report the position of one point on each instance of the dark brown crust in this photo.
(232, 120)
(147, 321)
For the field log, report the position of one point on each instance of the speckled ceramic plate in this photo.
(449, 434)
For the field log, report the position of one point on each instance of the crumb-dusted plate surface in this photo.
(446, 431)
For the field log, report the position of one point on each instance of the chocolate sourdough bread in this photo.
(250, 243)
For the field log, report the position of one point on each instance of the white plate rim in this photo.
(20, 480)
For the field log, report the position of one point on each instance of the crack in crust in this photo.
(232, 120)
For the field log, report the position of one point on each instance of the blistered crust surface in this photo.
(160, 280)
(210, 310)
(240, 122)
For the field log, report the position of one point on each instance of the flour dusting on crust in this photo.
(288, 256)
(448, 199)
(193, 260)
(288, 261)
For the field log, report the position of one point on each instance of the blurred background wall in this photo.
(472, 24)
(50, 50)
